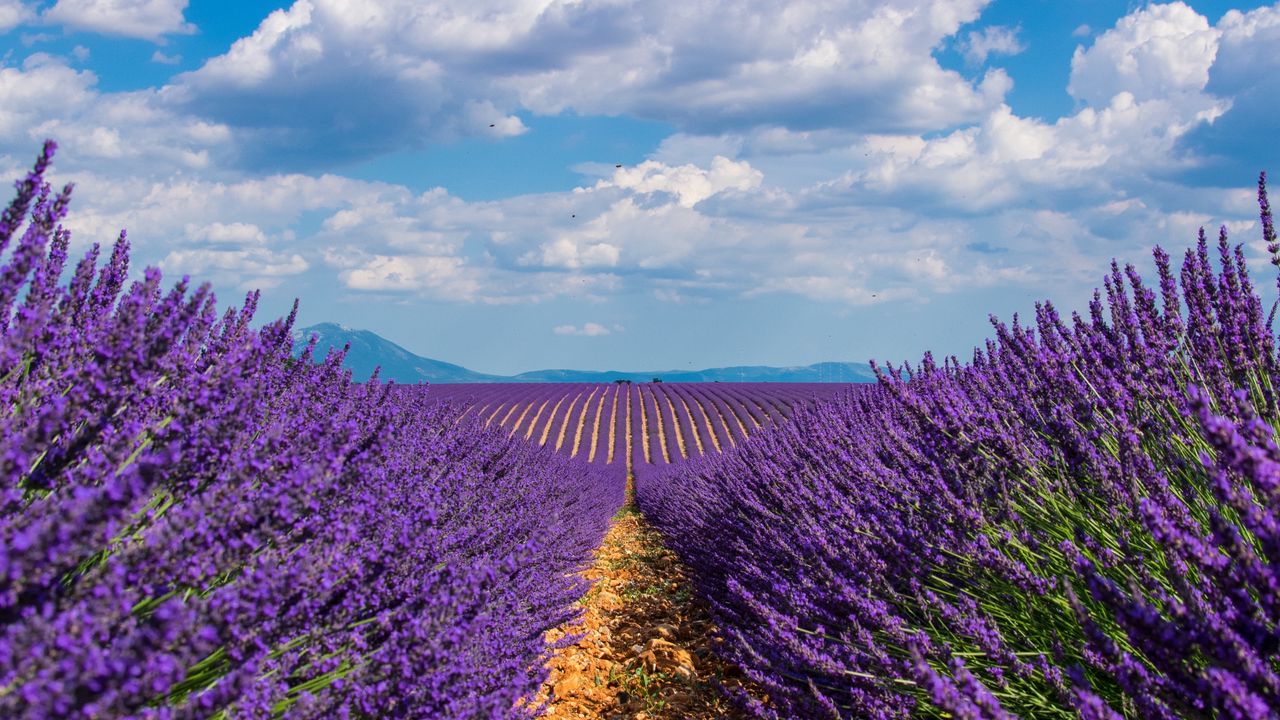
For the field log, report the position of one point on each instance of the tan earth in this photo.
(646, 651)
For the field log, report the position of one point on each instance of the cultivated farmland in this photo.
(625, 426)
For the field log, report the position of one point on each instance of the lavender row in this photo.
(1082, 521)
(669, 422)
(196, 525)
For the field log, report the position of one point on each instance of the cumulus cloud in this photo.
(1244, 53)
(993, 164)
(219, 233)
(375, 77)
(378, 238)
(688, 183)
(14, 13)
(978, 45)
(1131, 129)
(565, 252)
(1159, 51)
(839, 247)
(46, 98)
(146, 19)
(246, 269)
(587, 330)
(774, 189)
(42, 88)
(1247, 72)
(443, 276)
(490, 121)
(806, 64)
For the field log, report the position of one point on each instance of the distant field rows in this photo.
(634, 424)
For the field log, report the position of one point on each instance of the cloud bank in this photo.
(821, 150)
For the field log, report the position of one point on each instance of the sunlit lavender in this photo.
(195, 524)
(1083, 520)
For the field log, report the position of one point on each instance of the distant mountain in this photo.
(844, 372)
(369, 350)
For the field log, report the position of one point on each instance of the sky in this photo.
(649, 184)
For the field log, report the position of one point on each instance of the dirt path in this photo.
(646, 648)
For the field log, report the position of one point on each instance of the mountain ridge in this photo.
(370, 350)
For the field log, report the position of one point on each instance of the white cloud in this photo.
(564, 252)
(689, 183)
(250, 62)
(1130, 131)
(246, 269)
(820, 203)
(1247, 70)
(14, 13)
(902, 231)
(483, 114)
(1246, 46)
(146, 19)
(218, 233)
(1010, 160)
(46, 98)
(1156, 52)
(380, 76)
(978, 45)
(1245, 56)
(587, 330)
(43, 89)
(159, 57)
(442, 276)
(862, 64)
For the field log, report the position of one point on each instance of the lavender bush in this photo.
(1082, 521)
(194, 524)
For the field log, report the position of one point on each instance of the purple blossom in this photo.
(1083, 521)
(194, 521)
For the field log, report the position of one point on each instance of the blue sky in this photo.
(651, 184)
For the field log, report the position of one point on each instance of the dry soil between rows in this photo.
(646, 650)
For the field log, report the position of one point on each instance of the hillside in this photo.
(369, 350)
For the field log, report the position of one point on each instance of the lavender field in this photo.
(629, 428)
(1080, 520)
(197, 525)
(1083, 520)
